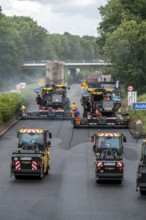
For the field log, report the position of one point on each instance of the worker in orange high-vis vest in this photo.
(97, 113)
(77, 117)
(73, 108)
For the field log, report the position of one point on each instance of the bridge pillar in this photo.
(55, 72)
(73, 73)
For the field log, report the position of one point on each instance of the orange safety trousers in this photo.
(77, 120)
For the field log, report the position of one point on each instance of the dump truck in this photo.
(108, 156)
(32, 156)
(102, 100)
(141, 171)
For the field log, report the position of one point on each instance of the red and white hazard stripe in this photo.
(17, 165)
(99, 164)
(34, 165)
(109, 135)
(32, 131)
(119, 164)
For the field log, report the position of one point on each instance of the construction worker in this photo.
(77, 116)
(86, 107)
(22, 110)
(73, 108)
(119, 110)
(97, 113)
(39, 100)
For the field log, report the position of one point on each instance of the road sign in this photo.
(130, 88)
(132, 97)
(18, 86)
(37, 90)
(116, 98)
(139, 106)
(42, 82)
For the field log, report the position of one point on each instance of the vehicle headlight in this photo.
(15, 158)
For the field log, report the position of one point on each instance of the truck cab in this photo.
(108, 156)
(32, 156)
(141, 171)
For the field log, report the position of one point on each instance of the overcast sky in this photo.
(78, 17)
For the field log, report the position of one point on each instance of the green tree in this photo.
(22, 39)
(122, 40)
(88, 49)
(126, 47)
(10, 44)
(34, 37)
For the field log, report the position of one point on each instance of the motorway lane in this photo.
(121, 201)
(69, 192)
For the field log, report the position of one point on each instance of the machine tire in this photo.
(142, 192)
(17, 177)
(97, 181)
(119, 181)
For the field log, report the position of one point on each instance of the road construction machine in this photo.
(52, 98)
(53, 103)
(108, 116)
(108, 156)
(141, 171)
(101, 82)
(32, 156)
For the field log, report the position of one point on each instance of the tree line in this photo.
(122, 41)
(23, 40)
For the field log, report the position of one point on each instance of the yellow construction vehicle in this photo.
(108, 156)
(141, 172)
(53, 103)
(32, 157)
(101, 100)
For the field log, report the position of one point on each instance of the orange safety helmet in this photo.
(97, 112)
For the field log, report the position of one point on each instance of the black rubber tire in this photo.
(119, 181)
(142, 192)
(98, 181)
(17, 177)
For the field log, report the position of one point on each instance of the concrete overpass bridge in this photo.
(72, 67)
(26, 66)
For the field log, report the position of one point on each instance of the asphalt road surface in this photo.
(69, 192)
